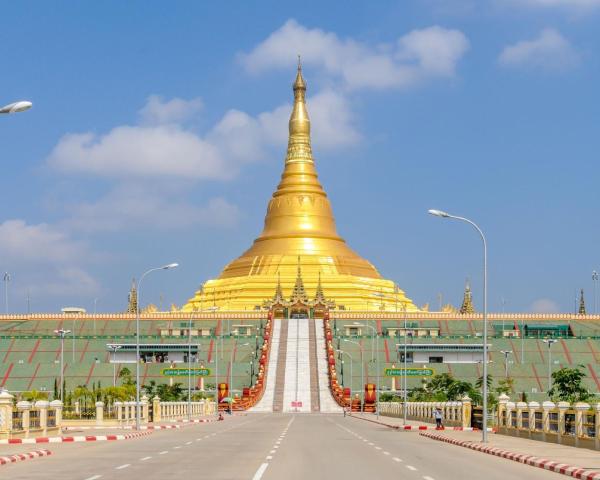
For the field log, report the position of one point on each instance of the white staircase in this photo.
(297, 367)
(265, 404)
(327, 403)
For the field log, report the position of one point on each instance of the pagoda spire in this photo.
(278, 298)
(467, 305)
(299, 293)
(581, 303)
(132, 300)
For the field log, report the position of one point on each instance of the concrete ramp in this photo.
(326, 400)
(266, 402)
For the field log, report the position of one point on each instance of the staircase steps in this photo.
(314, 373)
(281, 361)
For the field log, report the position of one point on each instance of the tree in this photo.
(506, 386)
(567, 385)
(34, 396)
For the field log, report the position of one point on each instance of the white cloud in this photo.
(45, 260)
(170, 151)
(544, 305)
(43, 243)
(550, 50)
(132, 206)
(177, 110)
(421, 54)
(126, 151)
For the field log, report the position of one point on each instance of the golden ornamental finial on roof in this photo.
(467, 305)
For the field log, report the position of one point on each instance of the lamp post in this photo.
(595, 280)
(378, 386)
(506, 353)
(16, 107)
(231, 368)
(189, 359)
(362, 374)
(351, 372)
(137, 340)
(550, 342)
(212, 309)
(442, 214)
(95, 305)
(6, 282)
(114, 349)
(62, 334)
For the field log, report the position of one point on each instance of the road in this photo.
(271, 447)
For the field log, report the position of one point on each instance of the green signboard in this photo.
(184, 372)
(410, 372)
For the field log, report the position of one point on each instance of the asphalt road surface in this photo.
(269, 447)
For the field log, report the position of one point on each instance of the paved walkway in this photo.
(581, 457)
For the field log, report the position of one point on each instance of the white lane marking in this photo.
(121, 467)
(261, 470)
(188, 443)
(427, 478)
(144, 459)
(273, 451)
(371, 443)
(386, 453)
(163, 452)
(410, 467)
(396, 459)
(377, 448)
(95, 477)
(198, 439)
(269, 457)
(175, 448)
(275, 447)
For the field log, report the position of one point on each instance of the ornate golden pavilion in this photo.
(300, 239)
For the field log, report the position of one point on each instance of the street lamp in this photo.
(114, 349)
(375, 336)
(550, 342)
(189, 412)
(231, 367)
(16, 107)
(595, 280)
(506, 353)
(351, 372)
(362, 374)
(62, 334)
(6, 282)
(137, 340)
(442, 214)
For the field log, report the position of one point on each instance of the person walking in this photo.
(437, 414)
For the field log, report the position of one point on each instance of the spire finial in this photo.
(299, 63)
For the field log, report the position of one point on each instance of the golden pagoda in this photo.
(300, 233)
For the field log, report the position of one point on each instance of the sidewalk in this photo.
(398, 423)
(581, 457)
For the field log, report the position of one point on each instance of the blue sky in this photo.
(158, 135)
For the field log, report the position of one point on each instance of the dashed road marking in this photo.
(188, 443)
(121, 467)
(427, 478)
(144, 459)
(178, 446)
(377, 448)
(261, 470)
(386, 453)
(269, 457)
(95, 477)
(396, 459)
(410, 467)
(163, 452)
(273, 451)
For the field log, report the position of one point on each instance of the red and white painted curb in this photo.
(431, 427)
(76, 438)
(565, 469)
(416, 428)
(24, 456)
